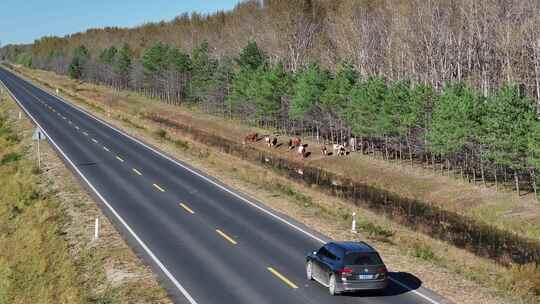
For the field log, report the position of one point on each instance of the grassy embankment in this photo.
(47, 254)
(35, 263)
(434, 261)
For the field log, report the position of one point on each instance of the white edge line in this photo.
(150, 253)
(216, 184)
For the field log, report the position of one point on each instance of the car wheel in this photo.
(332, 285)
(309, 270)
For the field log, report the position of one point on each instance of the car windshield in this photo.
(360, 258)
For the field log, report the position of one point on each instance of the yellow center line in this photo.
(137, 171)
(159, 188)
(228, 238)
(94, 140)
(119, 158)
(106, 149)
(281, 277)
(187, 208)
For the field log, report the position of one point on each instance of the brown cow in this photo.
(251, 137)
(295, 142)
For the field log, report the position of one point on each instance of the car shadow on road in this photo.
(408, 282)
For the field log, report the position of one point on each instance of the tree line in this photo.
(442, 83)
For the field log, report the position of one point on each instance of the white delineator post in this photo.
(38, 155)
(57, 91)
(20, 115)
(353, 228)
(96, 229)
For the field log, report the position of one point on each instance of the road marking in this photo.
(282, 277)
(77, 127)
(228, 238)
(187, 208)
(94, 140)
(119, 158)
(137, 171)
(137, 238)
(64, 118)
(106, 149)
(70, 122)
(207, 179)
(85, 134)
(158, 187)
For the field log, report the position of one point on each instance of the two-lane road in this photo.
(207, 243)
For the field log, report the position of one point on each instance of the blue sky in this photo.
(23, 21)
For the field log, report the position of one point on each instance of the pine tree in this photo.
(336, 95)
(534, 153)
(365, 104)
(455, 120)
(123, 64)
(251, 57)
(309, 87)
(80, 58)
(203, 69)
(415, 114)
(107, 55)
(507, 128)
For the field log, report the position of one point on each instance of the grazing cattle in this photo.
(295, 142)
(339, 149)
(273, 142)
(251, 137)
(324, 150)
(267, 140)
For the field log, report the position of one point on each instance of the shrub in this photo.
(10, 157)
(181, 144)
(423, 251)
(375, 230)
(161, 133)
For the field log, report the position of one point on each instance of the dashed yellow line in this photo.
(119, 158)
(137, 171)
(158, 187)
(187, 208)
(282, 277)
(228, 238)
(106, 149)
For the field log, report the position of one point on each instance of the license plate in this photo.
(365, 277)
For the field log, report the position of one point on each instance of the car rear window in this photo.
(361, 258)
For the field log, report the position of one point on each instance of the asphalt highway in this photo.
(206, 242)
